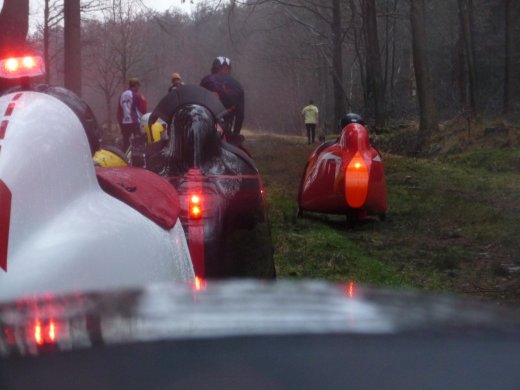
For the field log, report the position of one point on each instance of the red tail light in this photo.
(38, 337)
(199, 284)
(348, 289)
(29, 62)
(28, 66)
(356, 181)
(45, 333)
(195, 206)
(351, 289)
(52, 332)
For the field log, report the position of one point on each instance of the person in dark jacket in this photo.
(230, 92)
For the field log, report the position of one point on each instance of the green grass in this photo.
(450, 224)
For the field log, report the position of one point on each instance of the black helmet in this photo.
(220, 62)
(351, 118)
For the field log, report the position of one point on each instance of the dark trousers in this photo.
(127, 129)
(311, 132)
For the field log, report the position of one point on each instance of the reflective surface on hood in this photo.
(237, 308)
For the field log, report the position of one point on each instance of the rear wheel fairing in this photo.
(65, 233)
(323, 186)
(97, 243)
(237, 239)
(232, 235)
(45, 160)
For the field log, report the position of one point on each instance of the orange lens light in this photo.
(356, 181)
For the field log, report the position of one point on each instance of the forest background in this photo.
(437, 82)
(393, 61)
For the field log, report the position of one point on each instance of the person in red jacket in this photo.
(132, 105)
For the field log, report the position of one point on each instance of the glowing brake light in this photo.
(52, 332)
(38, 338)
(43, 334)
(195, 206)
(11, 65)
(16, 67)
(356, 181)
(351, 289)
(28, 62)
(199, 284)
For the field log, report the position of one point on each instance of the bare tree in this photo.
(114, 51)
(127, 38)
(466, 22)
(508, 63)
(52, 17)
(14, 24)
(285, 52)
(337, 60)
(374, 61)
(312, 16)
(390, 49)
(72, 40)
(429, 121)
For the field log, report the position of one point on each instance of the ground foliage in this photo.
(452, 222)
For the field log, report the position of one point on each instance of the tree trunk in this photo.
(508, 65)
(72, 40)
(428, 109)
(14, 24)
(459, 73)
(466, 21)
(339, 94)
(374, 61)
(46, 43)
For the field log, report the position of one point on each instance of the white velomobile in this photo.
(59, 230)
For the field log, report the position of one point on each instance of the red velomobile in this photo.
(345, 176)
(223, 209)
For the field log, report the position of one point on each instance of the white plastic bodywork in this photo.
(65, 233)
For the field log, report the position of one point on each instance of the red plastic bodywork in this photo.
(144, 191)
(325, 185)
(195, 226)
(5, 216)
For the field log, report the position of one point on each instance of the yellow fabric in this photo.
(106, 158)
(156, 133)
(310, 114)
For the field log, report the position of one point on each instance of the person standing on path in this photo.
(310, 115)
(132, 105)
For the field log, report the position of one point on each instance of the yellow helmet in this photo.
(109, 156)
(157, 132)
